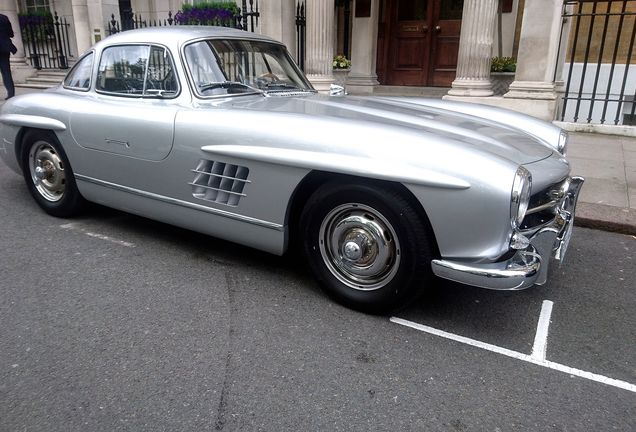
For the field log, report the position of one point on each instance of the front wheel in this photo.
(48, 175)
(367, 245)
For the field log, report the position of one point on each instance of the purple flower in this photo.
(206, 15)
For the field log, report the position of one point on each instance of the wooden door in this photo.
(409, 42)
(447, 23)
(418, 42)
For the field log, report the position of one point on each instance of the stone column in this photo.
(278, 21)
(320, 43)
(364, 47)
(475, 48)
(82, 26)
(538, 52)
(99, 13)
(20, 70)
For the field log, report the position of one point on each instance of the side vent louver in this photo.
(219, 182)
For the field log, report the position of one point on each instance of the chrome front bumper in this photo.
(527, 267)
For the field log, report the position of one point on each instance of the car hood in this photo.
(432, 123)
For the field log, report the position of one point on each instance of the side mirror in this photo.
(336, 90)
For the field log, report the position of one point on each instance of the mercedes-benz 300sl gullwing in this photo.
(217, 130)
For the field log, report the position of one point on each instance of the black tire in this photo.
(367, 245)
(48, 174)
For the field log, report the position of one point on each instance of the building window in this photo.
(31, 6)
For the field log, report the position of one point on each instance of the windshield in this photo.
(221, 67)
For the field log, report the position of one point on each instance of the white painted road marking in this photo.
(75, 226)
(541, 337)
(517, 355)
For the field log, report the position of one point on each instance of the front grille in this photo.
(543, 204)
(219, 182)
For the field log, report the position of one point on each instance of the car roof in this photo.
(179, 35)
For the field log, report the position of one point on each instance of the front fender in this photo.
(32, 121)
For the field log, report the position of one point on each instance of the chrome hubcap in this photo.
(47, 171)
(359, 246)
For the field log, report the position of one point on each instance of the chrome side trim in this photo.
(217, 189)
(221, 176)
(174, 201)
(32, 121)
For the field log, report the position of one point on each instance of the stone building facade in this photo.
(415, 43)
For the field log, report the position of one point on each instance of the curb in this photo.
(606, 218)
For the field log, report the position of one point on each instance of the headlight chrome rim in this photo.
(562, 145)
(520, 196)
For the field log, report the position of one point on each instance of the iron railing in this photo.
(46, 41)
(249, 15)
(301, 33)
(133, 21)
(345, 5)
(247, 20)
(600, 82)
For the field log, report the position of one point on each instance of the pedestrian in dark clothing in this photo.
(6, 49)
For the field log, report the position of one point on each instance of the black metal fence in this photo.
(249, 15)
(133, 21)
(301, 33)
(46, 41)
(600, 81)
(247, 20)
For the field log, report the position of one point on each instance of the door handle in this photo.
(438, 29)
(117, 142)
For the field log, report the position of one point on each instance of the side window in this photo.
(122, 69)
(137, 70)
(79, 78)
(161, 77)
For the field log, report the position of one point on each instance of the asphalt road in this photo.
(113, 322)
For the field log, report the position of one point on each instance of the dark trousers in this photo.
(7, 79)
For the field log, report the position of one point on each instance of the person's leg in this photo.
(7, 79)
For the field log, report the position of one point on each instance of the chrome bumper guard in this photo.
(527, 267)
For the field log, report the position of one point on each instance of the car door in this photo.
(133, 109)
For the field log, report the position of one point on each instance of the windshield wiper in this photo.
(227, 85)
(282, 86)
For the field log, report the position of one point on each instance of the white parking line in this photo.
(541, 337)
(75, 226)
(517, 355)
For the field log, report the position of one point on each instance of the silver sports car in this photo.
(217, 130)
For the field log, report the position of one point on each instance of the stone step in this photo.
(433, 92)
(61, 74)
(46, 79)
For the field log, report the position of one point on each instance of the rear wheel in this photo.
(366, 244)
(48, 174)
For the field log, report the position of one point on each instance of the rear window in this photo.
(79, 78)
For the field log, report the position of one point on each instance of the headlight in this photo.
(562, 145)
(520, 198)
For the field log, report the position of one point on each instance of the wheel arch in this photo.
(313, 180)
(19, 140)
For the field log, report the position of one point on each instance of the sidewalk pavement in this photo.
(608, 163)
(608, 196)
